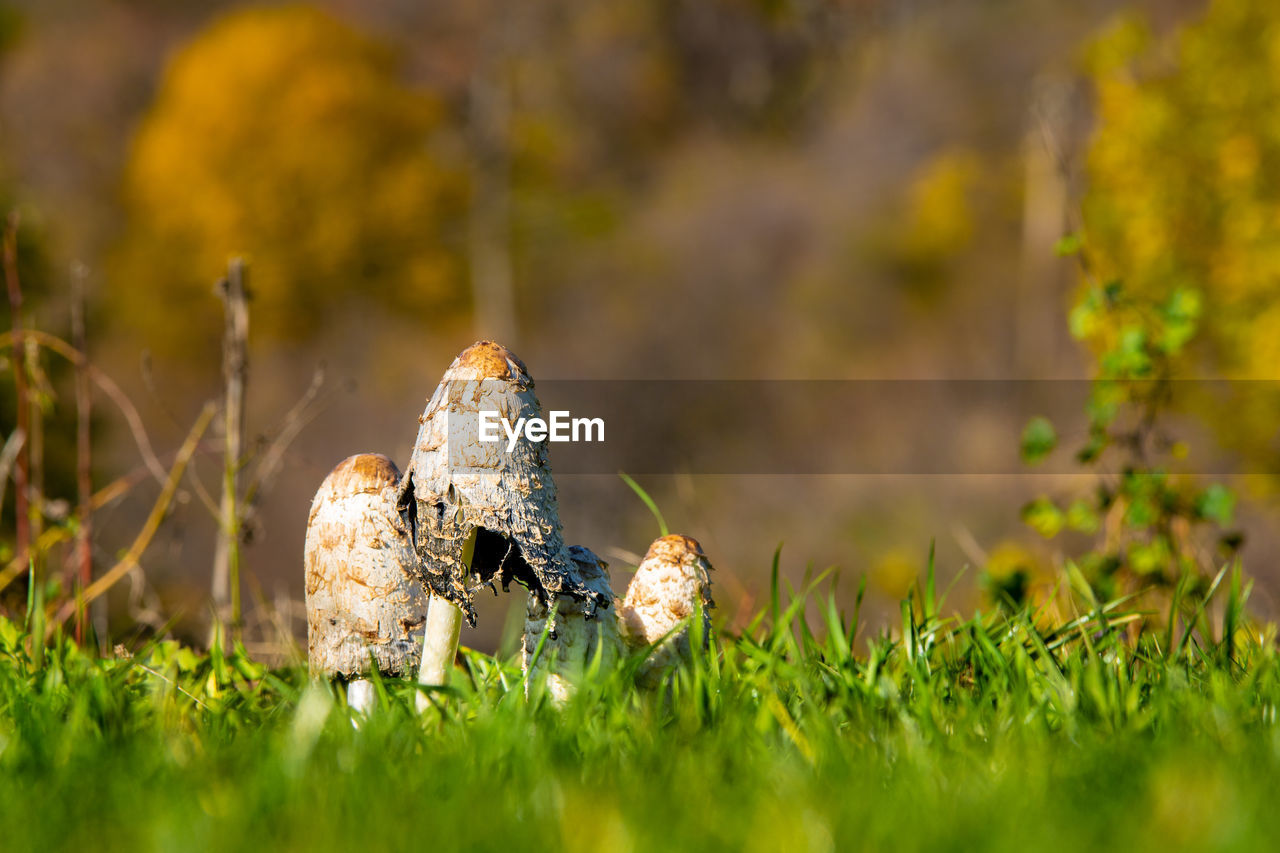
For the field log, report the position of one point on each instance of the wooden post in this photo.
(235, 375)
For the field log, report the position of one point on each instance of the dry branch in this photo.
(295, 420)
(108, 386)
(38, 389)
(8, 457)
(22, 516)
(109, 493)
(235, 374)
(84, 470)
(149, 528)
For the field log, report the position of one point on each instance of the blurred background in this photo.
(681, 189)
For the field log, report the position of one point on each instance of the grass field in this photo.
(998, 732)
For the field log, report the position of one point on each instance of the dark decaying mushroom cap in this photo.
(363, 596)
(457, 487)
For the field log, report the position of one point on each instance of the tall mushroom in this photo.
(478, 514)
(672, 580)
(365, 606)
(561, 640)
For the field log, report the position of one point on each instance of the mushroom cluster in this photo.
(468, 515)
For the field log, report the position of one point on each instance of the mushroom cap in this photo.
(577, 632)
(362, 596)
(458, 487)
(672, 580)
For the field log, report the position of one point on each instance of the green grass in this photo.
(988, 733)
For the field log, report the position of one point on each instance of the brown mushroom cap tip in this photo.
(676, 548)
(489, 360)
(361, 474)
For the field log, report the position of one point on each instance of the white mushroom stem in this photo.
(440, 640)
(439, 647)
(563, 640)
(360, 695)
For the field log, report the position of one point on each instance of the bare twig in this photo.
(202, 494)
(968, 544)
(37, 389)
(108, 386)
(302, 413)
(84, 473)
(235, 374)
(193, 476)
(148, 531)
(8, 456)
(108, 494)
(22, 517)
(19, 565)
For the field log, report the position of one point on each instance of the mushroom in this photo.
(563, 639)
(365, 606)
(479, 515)
(672, 580)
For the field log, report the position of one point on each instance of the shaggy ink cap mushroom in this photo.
(672, 581)
(364, 602)
(462, 497)
(562, 639)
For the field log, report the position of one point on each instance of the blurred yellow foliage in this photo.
(1184, 173)
(1008, 558)
(935, 222)
(895, 572)
(940, 217)
(283, 135)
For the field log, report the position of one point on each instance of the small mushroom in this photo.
(563, 639)
(672, 580)
(365, 606)
(479, 515)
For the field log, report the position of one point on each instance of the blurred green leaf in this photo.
(1081, 517)
(1038, 440)
(1147, 558)
(1068, 245)
(1043, 516)
(1092, 449)
(1083, 321)
(1217, 503)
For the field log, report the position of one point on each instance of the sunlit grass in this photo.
(986, 733)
